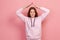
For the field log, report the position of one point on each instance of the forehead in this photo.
(32, 10)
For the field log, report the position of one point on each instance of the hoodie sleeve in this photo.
(20, 15)
(44, 14)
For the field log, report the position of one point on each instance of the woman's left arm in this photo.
(45, 13)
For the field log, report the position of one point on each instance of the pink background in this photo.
(13, 28)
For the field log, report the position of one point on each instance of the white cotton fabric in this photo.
(33, 32)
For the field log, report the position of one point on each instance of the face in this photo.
(32, 13)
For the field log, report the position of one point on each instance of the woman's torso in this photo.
(36, 29)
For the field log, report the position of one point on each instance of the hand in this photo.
(27, 6)
(36, 6)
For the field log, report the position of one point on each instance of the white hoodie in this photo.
(33, 32)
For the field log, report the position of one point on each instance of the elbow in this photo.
(17, 12)
(48, 11)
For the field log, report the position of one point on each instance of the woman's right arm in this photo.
(19, 12)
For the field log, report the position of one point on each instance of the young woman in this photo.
(33, 21)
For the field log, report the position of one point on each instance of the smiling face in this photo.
(32, 12)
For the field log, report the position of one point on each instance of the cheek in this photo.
(33, 14)
(30, 13)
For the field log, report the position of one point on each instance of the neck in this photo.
(32, 17)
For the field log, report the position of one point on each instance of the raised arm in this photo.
(20, 15)
(19, 12)
(45, 13)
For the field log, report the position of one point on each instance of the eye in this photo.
(30, 12)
